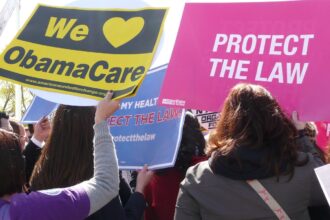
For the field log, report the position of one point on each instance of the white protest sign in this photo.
(206, 119)
(323, 175)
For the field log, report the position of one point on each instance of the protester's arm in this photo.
(32, 150)
(83, 199)
(136, 204)
(41, 131)
(143, 178)
(104, 186)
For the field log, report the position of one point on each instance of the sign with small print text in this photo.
(84, 52)
(283, 46)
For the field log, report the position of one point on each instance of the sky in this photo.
(18, 17)
(27, 6)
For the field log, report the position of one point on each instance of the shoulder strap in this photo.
(4, 212)
(268, 199)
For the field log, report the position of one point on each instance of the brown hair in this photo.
(15, 127)
(67, 157)
(252, 119)
(12, 173)
(17, 130)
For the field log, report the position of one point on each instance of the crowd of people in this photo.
(258, 163)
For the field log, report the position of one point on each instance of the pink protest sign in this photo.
(284, 46)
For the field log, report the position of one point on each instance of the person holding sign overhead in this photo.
(75, 202)
(255, 170)
(72, 138)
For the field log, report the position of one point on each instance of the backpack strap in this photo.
(268, 199)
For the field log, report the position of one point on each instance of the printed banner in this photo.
(207, 120)
(38, 108)
(283, 46)
(145, 133)
(84, 52)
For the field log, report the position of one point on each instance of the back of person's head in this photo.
(4, 122)
(15, 127)
(12, 173)
(251, 119)
(311, 131)
(192, 143)
(67, 157)
(20, 131)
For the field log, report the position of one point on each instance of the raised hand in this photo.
(298, 124)
(106, 108)
(143, 178)
(42, 129)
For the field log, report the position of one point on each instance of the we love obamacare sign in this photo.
(283, 46)
(143, 132)
(84, 52)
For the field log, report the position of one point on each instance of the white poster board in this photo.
(323, 175)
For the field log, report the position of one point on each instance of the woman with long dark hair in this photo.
(255, 170)
(67, 159)
(73, 202)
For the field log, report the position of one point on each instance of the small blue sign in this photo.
(145, 133)
(38, 108)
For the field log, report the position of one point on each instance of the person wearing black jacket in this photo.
(32, 150)
(306, 143)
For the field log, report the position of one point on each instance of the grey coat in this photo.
(205, 195)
